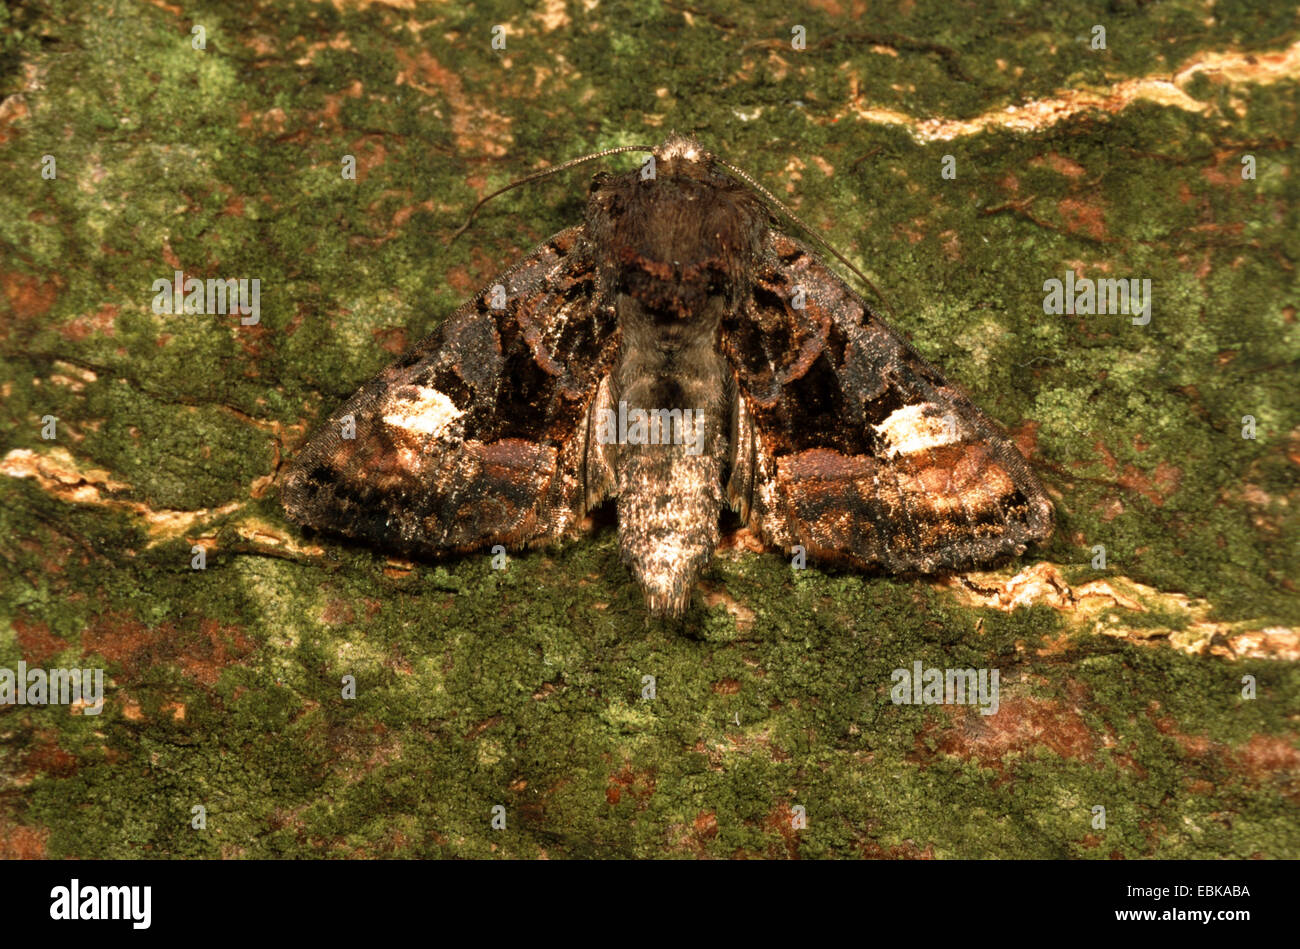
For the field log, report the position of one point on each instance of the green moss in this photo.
(524, 687)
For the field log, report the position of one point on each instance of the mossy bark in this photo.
(1121, 687)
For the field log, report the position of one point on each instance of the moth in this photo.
(677, 353)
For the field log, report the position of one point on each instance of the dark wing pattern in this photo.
(477, 435)
(853, 446)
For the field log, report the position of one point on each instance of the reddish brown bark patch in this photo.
(1269, 756)
(1163, 482)
(706, 825)
(202, 655)
(637, 785)
(123, 641)
(1020, 726)
(1025, 438)
(1059, 164)
(338, 613)
(1081, 217)
(47, 759)
(103, 320)
(28, 297)
(215, 648)
(780, 821)
(391, 339)
(35, 640)
(22, 843)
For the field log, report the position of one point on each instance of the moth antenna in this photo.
(542, 174)
(774, 200)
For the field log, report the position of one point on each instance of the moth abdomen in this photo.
(668, 509)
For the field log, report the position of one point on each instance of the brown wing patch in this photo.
(944, 507)
(501, 483)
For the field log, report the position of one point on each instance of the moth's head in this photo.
(676, 238)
